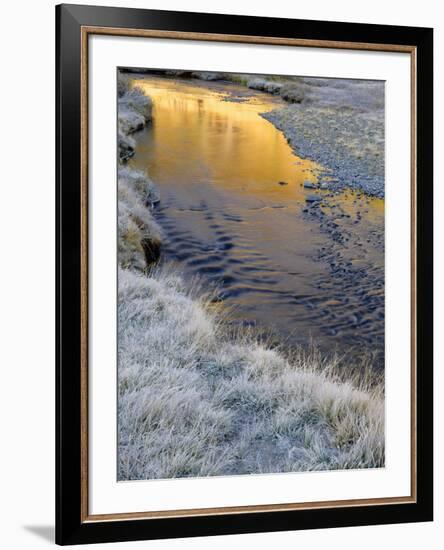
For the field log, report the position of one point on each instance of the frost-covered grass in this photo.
(122, 84)
(194, 401)
(139, 236)
(137, 228)
(292, 89)
(134, 110)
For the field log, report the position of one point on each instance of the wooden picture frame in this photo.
(75, 25)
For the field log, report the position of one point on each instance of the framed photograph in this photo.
(244, 274)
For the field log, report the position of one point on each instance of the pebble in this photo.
(309, 185)
(312, 198)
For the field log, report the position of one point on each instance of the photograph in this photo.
(244, 273)
(251, 273)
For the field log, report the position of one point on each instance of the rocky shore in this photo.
(339, 125)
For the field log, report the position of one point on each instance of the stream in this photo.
(234, 210)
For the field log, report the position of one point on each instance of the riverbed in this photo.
(240, 210)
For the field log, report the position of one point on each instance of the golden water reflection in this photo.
(223, 141)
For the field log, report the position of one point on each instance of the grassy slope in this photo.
(195, 401)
